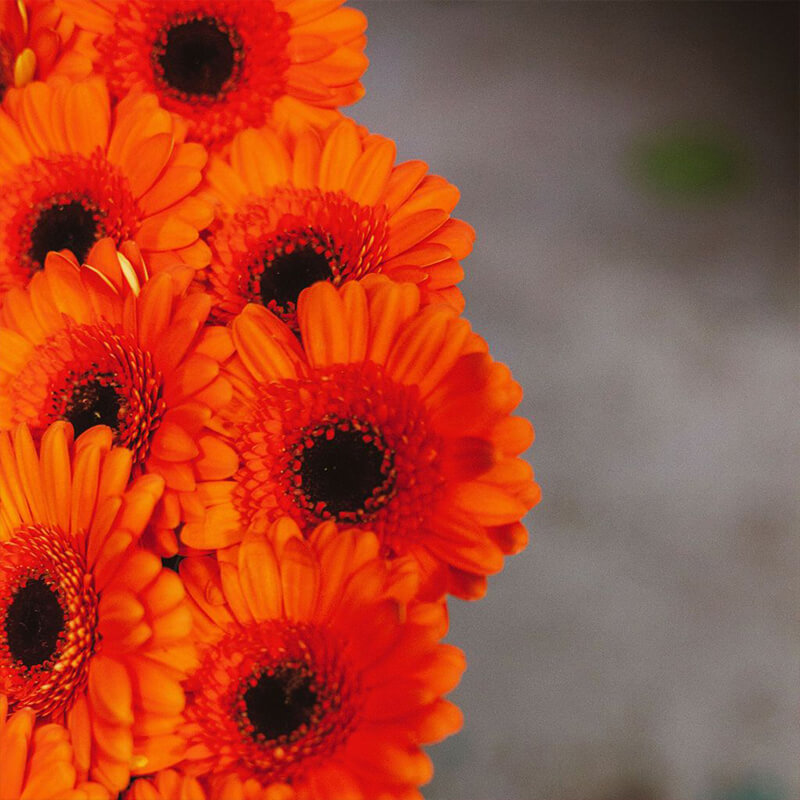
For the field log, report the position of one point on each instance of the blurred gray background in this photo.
(632, 172)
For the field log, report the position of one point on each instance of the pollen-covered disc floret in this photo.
(48, 619)
(384, 414)
(94, 633)
(74, 172)
(94, 349)
(223, 66)
(38, 760)
(332, 209)
(314, 656)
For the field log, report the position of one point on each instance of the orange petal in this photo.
(339, 155)
(165, 232)
(149, 156)
(300, 578)
(368, 178)
(110, 691)
(260, 577)
(490, 505)
(323, 325)
(87, 117)
(172, 443)
(261, 159)
(265, 345)
(390, 305)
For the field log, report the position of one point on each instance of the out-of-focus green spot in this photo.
(689, 164)
(753, 788)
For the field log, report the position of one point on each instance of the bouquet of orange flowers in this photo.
(248, 442)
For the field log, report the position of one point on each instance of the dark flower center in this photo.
(64, 226)
(34, 622)
(94, 402)
(282, 701)
(197, 57)
(287, 274)
(343, 468)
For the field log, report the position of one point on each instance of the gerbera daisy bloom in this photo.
(74, 173)
(37, 40)
(94, 633)
(334, 208)
(77, 347)
(38, 760)
(319, 676)
(385, 416)
(223, 66)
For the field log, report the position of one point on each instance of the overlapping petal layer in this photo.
(334, 207)
(95, 632)
(38, 761)
(333, 458)
(86, 346)
(384, 415)
(320, 675)
(73, 172)
(223, 66)
(37, 41)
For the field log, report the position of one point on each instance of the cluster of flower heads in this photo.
(248, 443)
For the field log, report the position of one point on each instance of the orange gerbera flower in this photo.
(386, 416)
(334, 209)
(38, 760)
(224, 66)
(319, 676)
(37, 40)
(73, 173)
(94, 633)
(79, 348)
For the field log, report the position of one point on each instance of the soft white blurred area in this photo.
(646, 646)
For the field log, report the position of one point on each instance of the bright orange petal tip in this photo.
(332, 207)
(320, 675)
(93, 345)
(384, 415)
(74, 172)
(169, 784)
(94, 633)
(38, 760)
(172, 784)
(287, 64)
(38, 41)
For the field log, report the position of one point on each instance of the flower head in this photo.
(85, 346)
(335, 209)
(383, 415)
(74, 173)
(94, 633)
(222, 66)
(319, 676)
